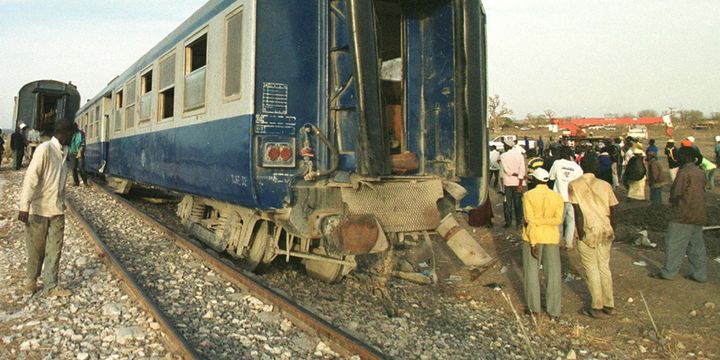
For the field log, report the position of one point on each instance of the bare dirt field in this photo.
(685, 313)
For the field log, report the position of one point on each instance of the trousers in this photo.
(596, 264)
(549, 257)
(684, 239)
(18, 158)
(43, 241)
(78, 166)
(567, 228)
(710, 177)
(656, 195)
(513, 204)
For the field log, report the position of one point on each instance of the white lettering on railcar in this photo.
(239, 180)
(275, 98)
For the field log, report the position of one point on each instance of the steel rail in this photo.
(339, 339)
(174, 339)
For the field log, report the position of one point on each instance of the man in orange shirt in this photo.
(543, 210)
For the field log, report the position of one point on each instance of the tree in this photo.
(647, 113)
(497, 111)
(715, 116)
(690, 117)
(549, 114)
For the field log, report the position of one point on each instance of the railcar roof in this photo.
(201, 16)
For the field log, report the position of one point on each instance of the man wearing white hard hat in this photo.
(543, 210)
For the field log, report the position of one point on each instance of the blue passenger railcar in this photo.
(318, 129)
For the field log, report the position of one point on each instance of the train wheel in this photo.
(260, 240)
(326, 271)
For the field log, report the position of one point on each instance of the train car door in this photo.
(106, 111)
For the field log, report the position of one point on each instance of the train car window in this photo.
(97, 121)
(130, 105)
(145, 96)
(92, 123)
(86, 123)
(118, 110)
(166, 99)
(233, 54)
(195, 61)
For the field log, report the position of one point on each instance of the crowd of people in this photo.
(571, 202)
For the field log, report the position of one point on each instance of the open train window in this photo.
(145, 96)
(233, 54)
(166, 99)
(195, 66)
(389, 20)
(130, 105)
(118, 110)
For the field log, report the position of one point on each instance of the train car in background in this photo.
(40, 104)
(315, 129)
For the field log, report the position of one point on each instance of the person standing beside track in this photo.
(77, 156)
(513, 169)
(543, 215)
(42, 208)
(2, 147)
(689, 214)
(17, 144)
(564, 171)
(594, 201)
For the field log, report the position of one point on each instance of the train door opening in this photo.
(50, 108)
(389, 15)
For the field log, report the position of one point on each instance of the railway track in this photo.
(143, 260)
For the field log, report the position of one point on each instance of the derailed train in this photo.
(317, 129)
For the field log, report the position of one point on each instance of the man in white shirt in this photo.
(494, 165)
(564, 171)
(513, 171)
(42, 209)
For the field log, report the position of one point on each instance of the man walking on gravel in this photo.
(689, 214)
(543, 216)
(594, 200)
(42, 205)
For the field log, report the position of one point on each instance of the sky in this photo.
(575, 57)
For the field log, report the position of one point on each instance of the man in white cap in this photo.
(543, 215)
(512, 173)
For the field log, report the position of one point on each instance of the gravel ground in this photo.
(98, 321)
(434, 322)
(220, 320)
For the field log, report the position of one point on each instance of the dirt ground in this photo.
(685, 313)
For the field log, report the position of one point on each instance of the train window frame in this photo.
(192, 71)
(98, 115)
(146, 97)
(130, 100)
(118, 106)
(167, 91)
(240, 12)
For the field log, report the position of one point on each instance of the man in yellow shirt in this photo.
(543, 210)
